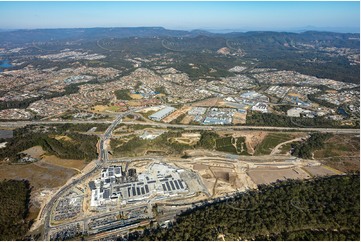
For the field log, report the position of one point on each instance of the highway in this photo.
(46, 212)
(103, 152)
(194, 127)
(239, 127)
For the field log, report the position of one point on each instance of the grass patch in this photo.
(285, 149)
(270, 142)
(340, 145)
(134, 146)
(225, 144)
(147, 114)
(122, 94)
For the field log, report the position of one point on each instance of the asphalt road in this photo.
(213, 127)
(46, 212)
(200, 127)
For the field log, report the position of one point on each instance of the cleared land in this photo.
(271, 141)
(106, 108)
(210, 102)
(35, 152)
(187, 139)
(176, 114)
(239, 118)
(253, 138)
(67, 163)
(320, 171)
(187, 119)
(220, 177)
(269, 175)
(40, 174)
(341, 152)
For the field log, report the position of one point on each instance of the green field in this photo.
(285, 149)
(271, 141)
(225, 144)
(134, 146)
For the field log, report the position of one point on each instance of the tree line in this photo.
(325, 208)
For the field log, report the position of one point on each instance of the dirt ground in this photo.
(40, 174)
(64, 138)
(73, 164)
(100, 108)
(187, 119)
(136, 96)
(176, 114)
(239, 118)
(321, 170)
(220, 177)
(211, 102)
(35, 152)
(269, 175)
(42, 177)
(187, 138)
(344, 164)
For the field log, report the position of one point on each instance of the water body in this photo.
(4, 64)
(4, 134)
(342, 112)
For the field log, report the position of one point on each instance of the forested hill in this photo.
(254, 38)
(321, 54)
(14, 207)
(319, 209)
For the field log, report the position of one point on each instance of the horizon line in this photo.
(205, 29)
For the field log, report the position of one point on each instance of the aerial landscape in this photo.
(154, 121)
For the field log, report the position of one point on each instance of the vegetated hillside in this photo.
(14, 205)
(302, 52)
(73, 34)
(63, 144)
(321, 209)
(314, 142)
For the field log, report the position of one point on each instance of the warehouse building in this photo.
(158, 116)
(260, 107)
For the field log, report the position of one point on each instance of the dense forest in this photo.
(270, 119)
(63, 144)
(325, 208)
(305, 149)
(14, 205)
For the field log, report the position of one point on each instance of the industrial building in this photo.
(300, 112)
(158, 116)
(160, 180)
(260, 107)
(219, 116)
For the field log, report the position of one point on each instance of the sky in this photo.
(213, 16)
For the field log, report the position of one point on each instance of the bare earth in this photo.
(269, 175)
(73, 164)
(35, 152)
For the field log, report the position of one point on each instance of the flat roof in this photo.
(92, 185)
(160, 114)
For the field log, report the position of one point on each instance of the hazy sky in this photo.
(342, 16)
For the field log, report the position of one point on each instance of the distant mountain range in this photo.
(93, 34)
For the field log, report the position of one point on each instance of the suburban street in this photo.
(103, 152)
